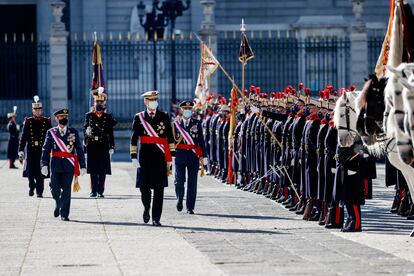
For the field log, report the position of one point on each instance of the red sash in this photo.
(62, 154)
(190, 142)
(159, 142)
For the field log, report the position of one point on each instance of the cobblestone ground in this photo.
(234, 233)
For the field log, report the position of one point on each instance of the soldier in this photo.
(13, 145)
(64, 146)
(99, 144)
(151, 131)
(190, 148)
(31, 142)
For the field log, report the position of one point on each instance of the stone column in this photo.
(208, 34)
(58, 60)
(359, 46)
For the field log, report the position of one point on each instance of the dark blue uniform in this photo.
(13, 145)
(61, 169)
(97, 146)
(33, 137)
(187, 159)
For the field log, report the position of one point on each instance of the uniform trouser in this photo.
(98, 182)
(157, 201)
(60, 187)
(186, 161)
(36, 182)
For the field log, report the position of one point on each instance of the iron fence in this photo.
(129, 70)
(374, 50)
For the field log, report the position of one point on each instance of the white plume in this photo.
(14, 109)
(100, 90)
(36, 98)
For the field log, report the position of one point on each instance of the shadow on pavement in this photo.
(243, 216)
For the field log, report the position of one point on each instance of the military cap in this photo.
(99, 94)
(187, 104)
(63, 111)
(150, 95)
(36, 104)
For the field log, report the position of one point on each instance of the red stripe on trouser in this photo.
(286, 190)
(357, 217)
(337, 215)
(366, 187)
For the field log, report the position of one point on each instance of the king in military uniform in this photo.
(63, 153)
(190, 149)
(31, 142)
(99, 142)
(152, 134)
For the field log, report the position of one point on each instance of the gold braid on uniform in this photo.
(177, 141)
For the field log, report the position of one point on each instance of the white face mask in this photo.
(187, 113)
(153, 105)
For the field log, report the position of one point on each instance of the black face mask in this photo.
(320, 115)
(327, 117)
(63, 121)
(100, 107)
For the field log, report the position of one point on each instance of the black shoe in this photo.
(40, 196)
(93, 195)
(191, 212)
(179, 205)
(333, 226)
(146, 216)
(31, 192)
(156, 223)
(65, 218)
(101, 195)
(56, 212)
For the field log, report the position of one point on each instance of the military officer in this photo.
(99, 143)
(13, 144)
(63, 153)
(190, 148)
(152, 133)
(31, 142)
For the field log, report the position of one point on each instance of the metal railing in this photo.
(128, 69)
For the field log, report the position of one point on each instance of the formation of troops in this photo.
(284, 146)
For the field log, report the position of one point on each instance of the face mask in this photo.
(295, 108)
(288, 110)
(327, 117)
(100, 107)
(306, 111)
(153, 105)
(63, 121)
(320, 115)
(187, 113)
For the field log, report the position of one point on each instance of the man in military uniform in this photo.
(99, 143)
(63, 153)
(190, 148)
(31, 142)
(13, 144)
(151, 131)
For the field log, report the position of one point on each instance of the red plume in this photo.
(329, 87)
(321, 94)
(307, 91)
(252, 88)
(335, 93)
(352, 87)
(293, 91)
(257, 90)
(300, 86)
(327, 94)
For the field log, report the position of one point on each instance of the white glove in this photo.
(205, 161)
(254, 109)
(111, 151)
(136, 164)
(21, 155)
(44, 170)
(170, 165)
(83, 171)
(88, 131)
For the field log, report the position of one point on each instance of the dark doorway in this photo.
(18, 51)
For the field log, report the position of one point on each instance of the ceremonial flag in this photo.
(234, 103)
(246, 52)
(97, 75)
(208, 65)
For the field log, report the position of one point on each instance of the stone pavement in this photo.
(233, 233)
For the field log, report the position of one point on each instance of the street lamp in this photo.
(170, 10)
(154, 27)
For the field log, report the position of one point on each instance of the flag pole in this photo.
(243, 30)
(246, 100)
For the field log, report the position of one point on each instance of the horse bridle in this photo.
(348, 120)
